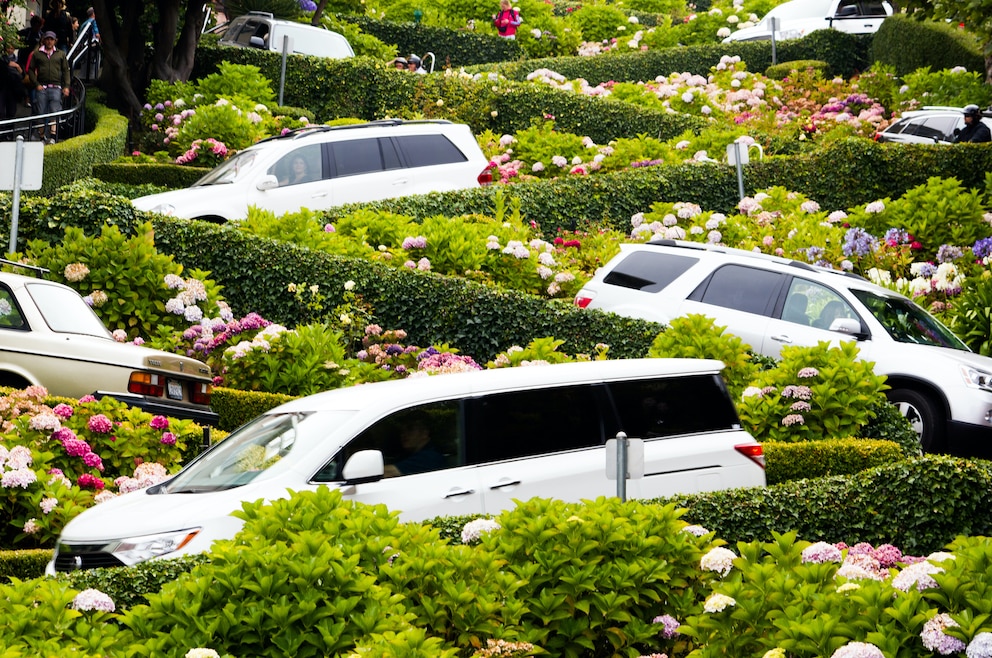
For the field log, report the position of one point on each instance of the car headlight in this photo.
(138, 549)
(976, 378)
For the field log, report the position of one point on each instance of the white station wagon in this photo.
(444, 445)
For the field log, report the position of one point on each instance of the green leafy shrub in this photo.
(818, 392)
(782, 70)
(697, 337)
(813, 459)
(128, 280)
(598, 22)
(236, 407)
(235, 81)
(887, 423)
(128, 586)
(908, 44)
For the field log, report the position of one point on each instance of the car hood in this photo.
(915, 360)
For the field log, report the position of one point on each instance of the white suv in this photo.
(320, 167)
(943, 388)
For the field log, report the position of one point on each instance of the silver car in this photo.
(931, 125)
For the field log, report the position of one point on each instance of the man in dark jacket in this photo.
(974, 129)
(49, 73)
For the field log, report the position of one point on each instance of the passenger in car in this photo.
(299, 172)
(830, 312)
(421, 455)
(795, 309)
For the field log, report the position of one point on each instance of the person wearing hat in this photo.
(399, 63)
(413, 65)
(49, 74)
(974, 129)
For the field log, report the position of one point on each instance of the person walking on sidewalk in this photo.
(49, 73)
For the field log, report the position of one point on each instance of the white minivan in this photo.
(445, 445)
(320, 167)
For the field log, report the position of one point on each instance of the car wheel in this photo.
(923, 415)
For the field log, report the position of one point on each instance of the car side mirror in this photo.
(849, 326)
(364, 466)
(268, 182)
(257, 42)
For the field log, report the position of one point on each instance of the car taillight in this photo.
(145, 383)
(583, 299)
(486, 177)
(878, 137)
(752, 451)
(200, 393)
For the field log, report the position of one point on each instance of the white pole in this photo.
(16, 196)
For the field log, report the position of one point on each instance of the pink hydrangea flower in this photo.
(100, 424)
(168, 438)
(159, 423)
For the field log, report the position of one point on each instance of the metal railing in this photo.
(70, 121)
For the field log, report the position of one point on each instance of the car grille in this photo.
(80, 557)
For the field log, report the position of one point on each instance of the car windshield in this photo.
(907, 322)
(65, 311)
(251, 451)
(230, 170)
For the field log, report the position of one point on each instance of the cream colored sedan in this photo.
(50, 337)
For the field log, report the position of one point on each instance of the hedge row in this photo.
(478, 320)
(75, 158)
(169, 175)
(934, 44)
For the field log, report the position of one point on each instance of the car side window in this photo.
(10, 312)
(302, 165)
(526, 423)
(428, 150)
(356, 156)
(824, 305)
(647, 271)
(741, 288)
(671, 406)
(415, 440)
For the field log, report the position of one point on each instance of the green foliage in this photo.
(128, 586)
(126, 278)
(235, 81)
(946, 87)
(908, 44)
(599, 22)
(302, 361)
(236, 407)
(972, 318)
(782, 70)
(364, 45)
(818, 392)
(957, 488)
(280, 587)
(287, 9)
(76, 205)
(697, 337)
(29, 563)
(813, 459)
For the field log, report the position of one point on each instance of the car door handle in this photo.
(318, 195)
(454, 493)
(508, 483)
(782, 338)
(401, 181)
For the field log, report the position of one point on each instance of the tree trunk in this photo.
(318, 12)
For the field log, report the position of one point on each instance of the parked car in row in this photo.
(797, 18)
(324, 166)
(445, 445)
(50, 337)
(260, 29)
(929, 125)
(943, 388)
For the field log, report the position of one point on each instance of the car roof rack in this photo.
(757, 255)
(34, 269)
(264, 14)
(299, 133)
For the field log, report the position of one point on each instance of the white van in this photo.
(446, 445)
(258, 29)
(798, 18)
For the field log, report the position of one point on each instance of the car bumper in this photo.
(967, 440)
(196, 413)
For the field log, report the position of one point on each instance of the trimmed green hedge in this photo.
(909, 44)
(236, 407)
(74, 158)
(433, 309)
(169, 175)
(809, 459)
(919, 505)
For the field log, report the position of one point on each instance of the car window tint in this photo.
(356, 156)
(650, 272)
(10, 312)
(249, 29)
(288, 172)
(940, 127)
(390, 156)
(526, 423)
(64, 311)
(441, 423)
(428, 150)
(741, 288)
(898, 127)
(873, 8)
(671, 407)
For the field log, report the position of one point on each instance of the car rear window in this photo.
(741, 288)
(65, 311)
(647, 271)
(429, 150)
(672, 406)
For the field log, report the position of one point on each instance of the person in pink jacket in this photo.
(507, 20)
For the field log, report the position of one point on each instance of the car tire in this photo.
(923, 414)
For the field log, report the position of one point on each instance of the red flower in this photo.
(87, 481)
